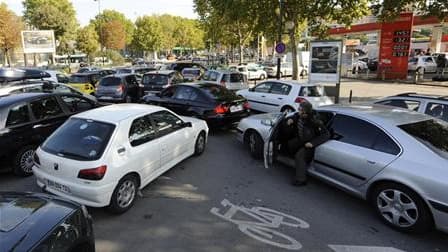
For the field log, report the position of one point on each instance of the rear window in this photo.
(79, 79)
(219, 93)
(234, 77)
(87, 139)
(192, 72)
(313, 91)
(124, 71)
(432, 133)
(155, 79)
(110, 81)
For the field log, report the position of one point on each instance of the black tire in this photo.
(199, 146)
(117, 206)
(262, 77)
(255, 144)
(287, 108)
(419, 212)
(23, 162)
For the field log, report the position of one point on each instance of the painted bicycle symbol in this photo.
(263, 228)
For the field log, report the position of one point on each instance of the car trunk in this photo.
(154, 83)
(235, 81)
(110, 86)
(315, 95)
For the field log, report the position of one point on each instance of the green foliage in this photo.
(87, 40)
(10, 27)
(388, 10)
(57, 15)
(107, 16)
(148, 34)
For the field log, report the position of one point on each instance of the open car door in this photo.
(269, 142)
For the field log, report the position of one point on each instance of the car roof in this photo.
(28, 217)
(378, 113)
(87, 73)
(118, 112)
(162, 72)
(8, 100)
(291, 82)
(420, 96)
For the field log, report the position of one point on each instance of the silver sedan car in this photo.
(396, 159)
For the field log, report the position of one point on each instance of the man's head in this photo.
(305, 109)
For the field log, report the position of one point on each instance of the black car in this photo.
(40, 222)
(27, 119)
(213, 103)
(154, 82)
(119, 88)
(179, 66)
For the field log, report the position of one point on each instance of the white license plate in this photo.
(236, 108)
(106, 97)
(57, 186)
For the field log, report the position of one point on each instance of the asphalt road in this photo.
(174, 212)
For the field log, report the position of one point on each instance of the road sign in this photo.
(280, 48)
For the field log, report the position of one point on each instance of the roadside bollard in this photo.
(351, 96)
(383, 75)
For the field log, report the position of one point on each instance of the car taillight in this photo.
(221, 109)
(93, 174)
(36, 159)
(120, 88)
(300, 100)
(246, 105)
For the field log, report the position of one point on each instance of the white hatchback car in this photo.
(282, 95)
(102, 157)
(422, 63)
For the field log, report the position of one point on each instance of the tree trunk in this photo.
(8, 59)
(240, 46)
(295, 66)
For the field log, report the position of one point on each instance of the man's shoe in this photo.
(299, 183)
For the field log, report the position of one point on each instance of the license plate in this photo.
(58, 186)
(106, 97)
(236, 108)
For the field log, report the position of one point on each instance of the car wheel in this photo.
(23, 163)
(128, 99)
(255, 144)
(199, 147)
(401, 208)
(262, 77)
(287, 109)
(124, 194)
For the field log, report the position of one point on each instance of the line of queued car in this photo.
(100, 156)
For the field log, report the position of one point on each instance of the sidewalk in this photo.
(366, 90)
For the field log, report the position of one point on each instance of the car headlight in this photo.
(267, 122)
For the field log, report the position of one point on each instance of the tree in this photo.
(57, 15)
(10, 27)
(188, 34)
(148, 34)
(87, 40)
(107, 16)
(387, 10)
(235, 19)
(113, 35)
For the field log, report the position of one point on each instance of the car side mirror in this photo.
(187, 125)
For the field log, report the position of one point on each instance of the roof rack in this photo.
(15, 74)
(406, 94)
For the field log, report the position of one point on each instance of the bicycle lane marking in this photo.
(265, 222)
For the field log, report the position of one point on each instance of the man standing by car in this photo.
(311, 133)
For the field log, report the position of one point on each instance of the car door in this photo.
(166, 97)
(430, 64)
(257, 97)
(278, 95)
(48, 116)
(144, 148)
(182, 100)
(133, 87)
(18, 130)
(176, 141)
(357, 151)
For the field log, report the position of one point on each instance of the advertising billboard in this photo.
(325, 61)
(38, 41)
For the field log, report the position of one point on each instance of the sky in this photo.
(87, 9)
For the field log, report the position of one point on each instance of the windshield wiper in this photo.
(73, 155)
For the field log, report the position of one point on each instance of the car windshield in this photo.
(79, 79)
(191, 72)
(432, 133)
(218, 92)
(155, 79)
(87, 139)
(236, 77)
(110, 81)
(313, 91)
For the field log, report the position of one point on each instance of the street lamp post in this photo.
(100, 28)
(280, 32)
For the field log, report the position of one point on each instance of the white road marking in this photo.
(349, 248)
(263, 228)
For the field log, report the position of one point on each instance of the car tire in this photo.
(255, 144)
(128, 99)
(401, 208)
(262, 77)
(199, 146)
(287, 109)
(124, 195)
(23, 162)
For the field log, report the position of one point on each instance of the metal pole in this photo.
(280, 31)
(101, 29)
